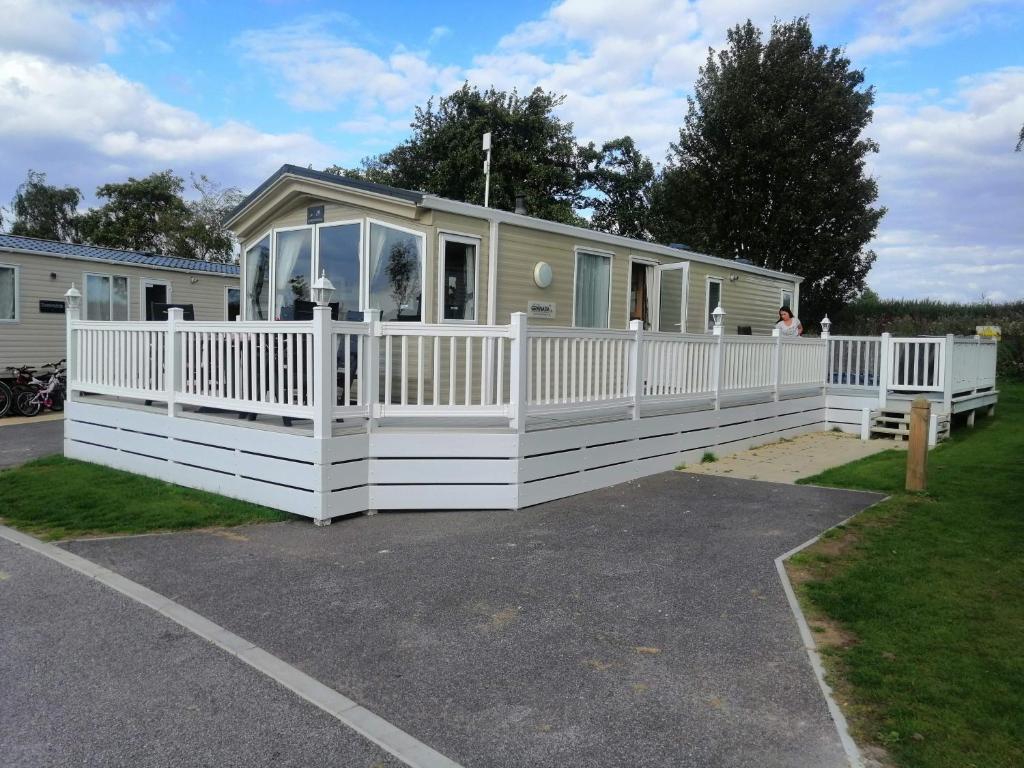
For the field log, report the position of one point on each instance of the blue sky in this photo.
(95, 91)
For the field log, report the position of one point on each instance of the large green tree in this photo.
(770, 163)
(622, 178)
(45, 210)
(534, 153)
(151, 214)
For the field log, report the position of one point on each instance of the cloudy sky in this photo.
(95, 91)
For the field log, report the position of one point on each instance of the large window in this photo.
(338, 257)
(232, 303)
(714, 298)
(593, 290)
(395, 273)
(257, 280)
(8, 294)
(458, 278)
(293, 253)
(106, 297)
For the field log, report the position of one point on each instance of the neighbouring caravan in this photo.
(115, 285)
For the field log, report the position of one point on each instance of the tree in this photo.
(1020, 141)
(151, 215)
(770, 163)
(534, 153)
(43, 210)
(623, 177)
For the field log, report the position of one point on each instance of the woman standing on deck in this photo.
(789, 325)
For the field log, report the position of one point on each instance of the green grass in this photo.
(57, 498)
(708, 458)
(929, 589)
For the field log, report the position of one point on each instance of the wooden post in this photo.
(172, 354)
(636, 365)
(917, 451)
(72, 314)
(519, 372)
(947, 373)
(865, 424)
(717, 373)
(324, 373)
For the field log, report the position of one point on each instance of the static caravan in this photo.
(117, 285)
(421, 258)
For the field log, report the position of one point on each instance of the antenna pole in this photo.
(487, 169)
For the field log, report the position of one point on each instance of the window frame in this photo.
(110, 298)
(17, 295)
(364, 278)
(647, 261)
(362, 255)
(708, 280)
(272, 301)
(610, 255)
(227, 301)
(476, 241)
(143, 282)
(243, 282)
(782, 298)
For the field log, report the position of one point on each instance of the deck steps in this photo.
(896, 424)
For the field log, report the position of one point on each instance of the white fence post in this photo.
(719, 351)
(884, 365)
(172, 353)
(72, 314)
(636, 365)
(370, 374)
(947, 372)
(518, 372)
(776, 363)
(324, 372)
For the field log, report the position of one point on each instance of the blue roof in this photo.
(57, 248)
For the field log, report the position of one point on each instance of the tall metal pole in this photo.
(487, 170)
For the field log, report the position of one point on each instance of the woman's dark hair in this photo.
(785, 308)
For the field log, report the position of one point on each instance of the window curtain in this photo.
(459, 281)
(97, 297)
(7, 298)
(396, 285)
(119, 305)
(257, 271)
(290, 285)
(593, 279)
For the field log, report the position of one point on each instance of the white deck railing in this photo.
(324, 370)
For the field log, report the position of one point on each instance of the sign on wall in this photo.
(541, 309)
(315, 214)
(51, 306)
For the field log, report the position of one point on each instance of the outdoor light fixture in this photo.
(718, 315)
(322, 290)
(825, 325)
(74, 297)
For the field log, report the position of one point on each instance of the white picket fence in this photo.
(324, 370)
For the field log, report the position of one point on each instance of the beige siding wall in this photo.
(749, 299)
(39, 337)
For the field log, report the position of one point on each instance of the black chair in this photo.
(158, 311)
(304, 310)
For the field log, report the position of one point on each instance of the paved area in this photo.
(90, 678)
(792, 459)
(640, 625)
(29, 439)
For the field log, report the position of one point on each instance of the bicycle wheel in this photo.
(27, 404)
(57, 400)
(6, 399)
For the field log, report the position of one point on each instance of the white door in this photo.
(671, 292)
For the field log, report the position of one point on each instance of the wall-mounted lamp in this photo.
(542, 274)
(53, 275)
(193, 280)
(733, 278)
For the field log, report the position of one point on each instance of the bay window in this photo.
(592, 305)
(257, 280)
(338, 256)
(106, 297)
(293, 263)
(395, 273)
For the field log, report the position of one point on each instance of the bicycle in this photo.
(6, 399)
(41, 394)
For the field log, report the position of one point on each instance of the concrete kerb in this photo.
(853, 754)
(372, 727)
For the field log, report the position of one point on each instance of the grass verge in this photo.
(58, 498)
(918, 603)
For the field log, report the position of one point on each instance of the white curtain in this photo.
(97, 297)
(257, 269)
(593, 279)
(119, 305)
(290, 246)
(7, 299)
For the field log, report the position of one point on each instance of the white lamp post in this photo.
(718, 316)
(825, 325)
(74, 297)
(322, 290)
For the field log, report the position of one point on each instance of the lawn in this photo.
(58, 498)
(919, 601)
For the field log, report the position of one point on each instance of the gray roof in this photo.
(96, 253)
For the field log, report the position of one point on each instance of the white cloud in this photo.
(86, 125)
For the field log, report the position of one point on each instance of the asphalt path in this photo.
(91, 678)
(640, 625)
(23, 442)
